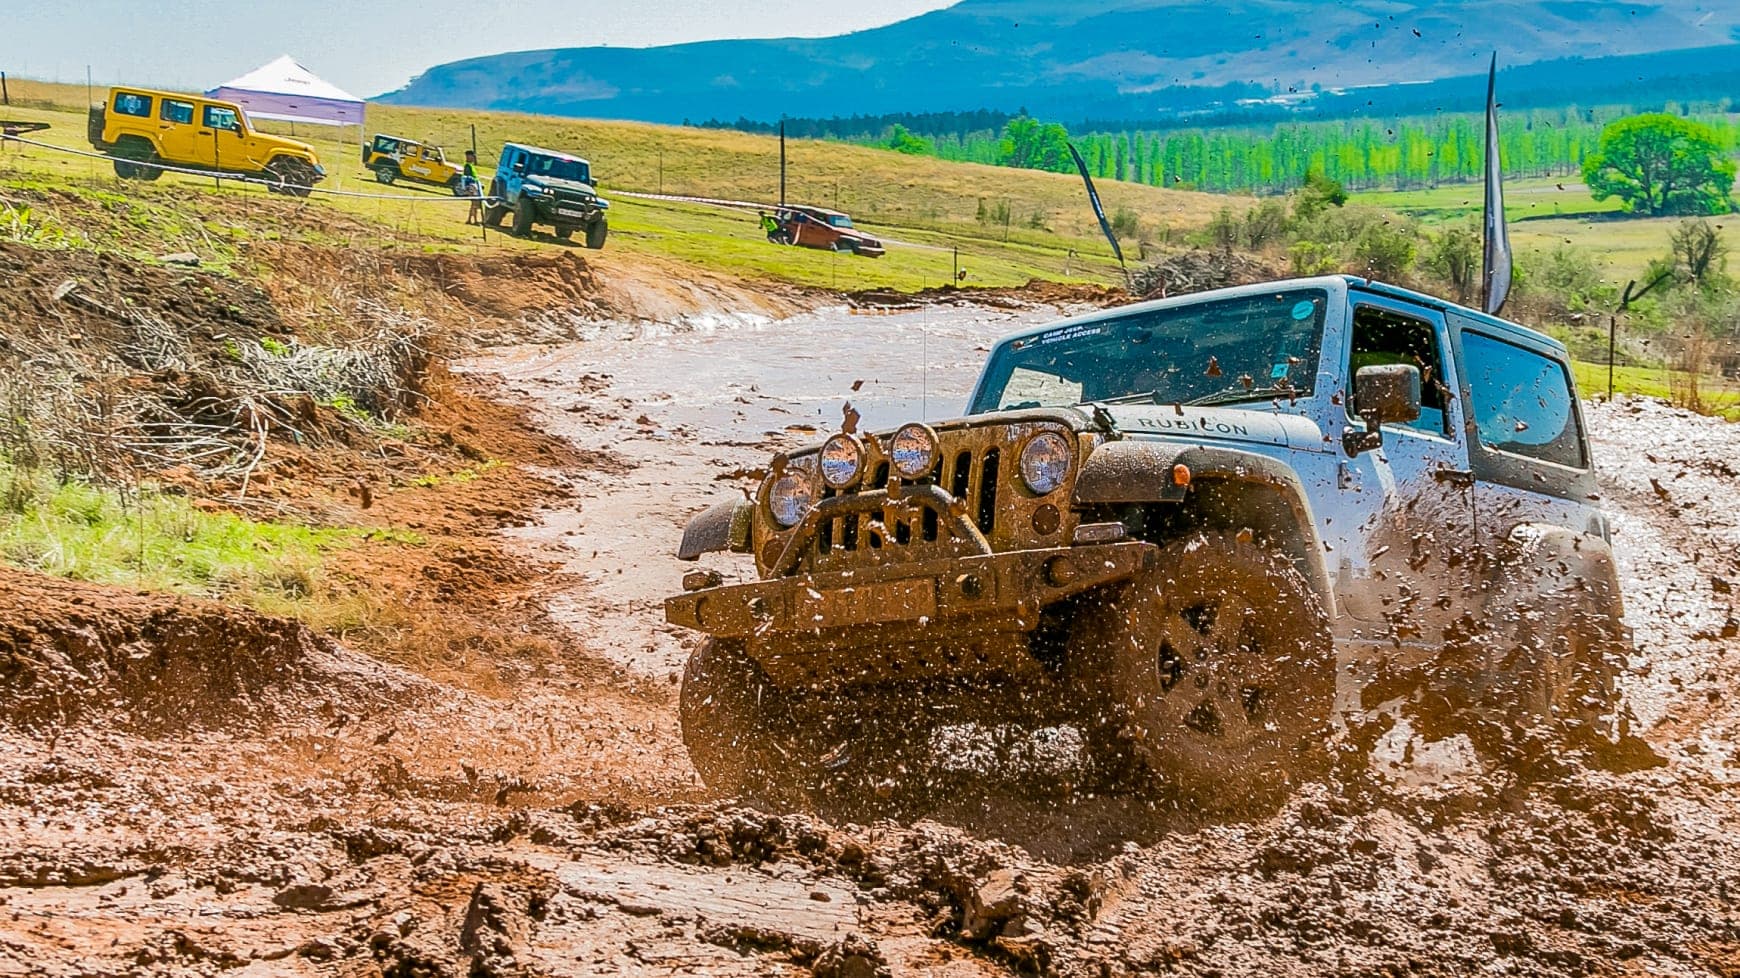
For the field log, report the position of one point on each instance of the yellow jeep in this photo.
(392, 157)
(141, 127)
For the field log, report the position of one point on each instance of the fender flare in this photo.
(723, 527)
(1543, 562)
(1133, 471)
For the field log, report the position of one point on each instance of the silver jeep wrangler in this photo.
(1204, 531)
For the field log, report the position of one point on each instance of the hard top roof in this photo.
(1331, 283)
(541, 151)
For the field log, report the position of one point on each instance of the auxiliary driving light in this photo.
(842, 461)
(1045, 462)
(790, 497)
(913, 451)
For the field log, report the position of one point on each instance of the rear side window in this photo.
(218, 117)
(127, 103)
(177, 112)
(1522, 402)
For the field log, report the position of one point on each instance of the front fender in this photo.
(1273, 503)
(723, 527)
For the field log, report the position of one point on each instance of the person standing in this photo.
(469, 187)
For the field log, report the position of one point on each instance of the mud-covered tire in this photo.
(596, 233)
(737, 728)
(129, 154)
(564, 233)
(493, 214)
(525, 215)
(1215, 670)
(289, 176)
(1548, 677)
(385, 174)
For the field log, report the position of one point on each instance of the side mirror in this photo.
(1388, 394)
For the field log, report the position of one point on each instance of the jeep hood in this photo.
(1219, 424)
(556, 182)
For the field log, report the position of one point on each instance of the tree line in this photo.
(1362, 154)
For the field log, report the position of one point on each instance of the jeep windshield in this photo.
(557, 168)
(1220, 351)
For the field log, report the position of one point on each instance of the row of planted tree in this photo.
(1361, 154)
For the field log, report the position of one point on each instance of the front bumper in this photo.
(945, 617)
(558, 211)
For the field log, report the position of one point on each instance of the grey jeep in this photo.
(1206, 531)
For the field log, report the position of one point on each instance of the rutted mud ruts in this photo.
(555, 829)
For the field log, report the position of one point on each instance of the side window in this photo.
(178, 112)
(218, 117)
(1522, 401)
(1381, 338)
(127, 103)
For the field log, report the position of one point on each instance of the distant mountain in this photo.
(1074, 59)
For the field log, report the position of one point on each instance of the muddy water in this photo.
(689, 410)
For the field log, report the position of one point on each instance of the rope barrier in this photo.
(240, 178)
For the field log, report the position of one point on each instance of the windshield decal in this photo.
(1070, 333)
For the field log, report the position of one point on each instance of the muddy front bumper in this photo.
(949, 617)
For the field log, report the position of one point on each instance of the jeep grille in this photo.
(975, 467)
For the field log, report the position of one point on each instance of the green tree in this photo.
(1318, 193)
(1033, 145)
(1661, 164)
(904, 140)
(1454, 256)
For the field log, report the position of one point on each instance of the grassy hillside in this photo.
(927, 207)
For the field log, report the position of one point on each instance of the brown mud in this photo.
(492, 782)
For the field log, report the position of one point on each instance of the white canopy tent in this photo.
(286, 91)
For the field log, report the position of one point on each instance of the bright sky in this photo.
(372, 46)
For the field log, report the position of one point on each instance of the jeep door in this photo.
(419, 165)
(1526, 438)
(223, 142)
(1409, 570)
(177, 136)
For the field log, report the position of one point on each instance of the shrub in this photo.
(1384, 251)
(1312, 258)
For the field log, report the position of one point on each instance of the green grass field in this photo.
(926, 207)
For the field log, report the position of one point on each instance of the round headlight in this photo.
(842, 461)
(1045, 462)
(790, 497)
(913, 451)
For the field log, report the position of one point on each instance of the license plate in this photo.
(861, 605)
(570, 212)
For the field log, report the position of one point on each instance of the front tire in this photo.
(596, 232)
(524, 217)
(386, 175)
(1215, 668)
(737, 728)
(292, 177)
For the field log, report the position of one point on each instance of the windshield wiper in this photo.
(1237, 394)
(1152, 397)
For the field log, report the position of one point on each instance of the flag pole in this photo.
(1100, 212)
(1496, 254)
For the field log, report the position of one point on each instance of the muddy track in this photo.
(553, 826)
